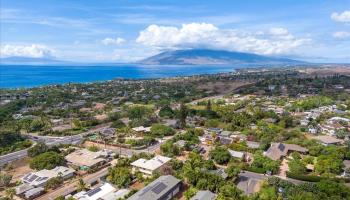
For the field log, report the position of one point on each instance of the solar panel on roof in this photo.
(159, 188)
(26, 176)
(32, 178)
(93, 191)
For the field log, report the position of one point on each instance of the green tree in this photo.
(220, 155)
(47, 160)
(161, 130)
(190, 192)
(183, 115)
(5, 179)
(39, 148)
(120, 176)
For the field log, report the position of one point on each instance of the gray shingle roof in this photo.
(157, 189)
(204, 195)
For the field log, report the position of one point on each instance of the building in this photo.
(33, 193)
(21, 189)
(163, 188)
(204, 195)
(253, 145)
(250, 182)
(148, 167)
(220, 172)
(40, 178)
(237, 154)
(85, 159)
(103, 192)
(142, 129)
(328, 140)
(279, 150)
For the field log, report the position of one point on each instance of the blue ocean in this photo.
(24, 76)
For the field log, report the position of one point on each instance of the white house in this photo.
(142, 129)
(148, 167)
(40, 178)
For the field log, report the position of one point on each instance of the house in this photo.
(206, 139)
(213, 130)
(85, 159)
(328, 140)
(250, 182)
(40, 178)
(142, 129)
(21, 189)
(108, 132)
(219, 172)
(253, 145)
(237, 154)
(33, 193)
(225, 140)
(204, 195)
(95, 193)
(279, 150)
(164, 187)
(148, 167)
(103, 192)
(226, 133)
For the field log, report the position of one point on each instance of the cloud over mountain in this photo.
(205, 35)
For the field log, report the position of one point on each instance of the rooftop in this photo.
(204, 195)
(42, 176)
(96, 193)
(278, 150)
(84, 157)
(156, 189)
(151, 164)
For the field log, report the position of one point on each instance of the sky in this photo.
(130, 30)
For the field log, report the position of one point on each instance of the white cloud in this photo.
(341, 17)
(33, 50)
(204, 35)
(112, 41)
(341, 34)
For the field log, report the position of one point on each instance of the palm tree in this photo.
(10, 193)
(81, 185)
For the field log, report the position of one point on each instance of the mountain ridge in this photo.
(212, 57)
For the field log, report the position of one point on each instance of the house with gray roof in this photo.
(204, 195)
(163, 188)
(40, 178)
(220, 172)
(279, 150)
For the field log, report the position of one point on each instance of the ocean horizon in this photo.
(27, 76)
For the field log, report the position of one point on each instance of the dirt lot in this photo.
(20, 168)
(344, 70)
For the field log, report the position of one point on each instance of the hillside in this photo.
(211, 57)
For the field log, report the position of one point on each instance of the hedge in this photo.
(309, 178)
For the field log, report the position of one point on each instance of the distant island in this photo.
(175, 57)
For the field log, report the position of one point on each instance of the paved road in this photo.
(50, 141)
(12, 157)
(69, 188)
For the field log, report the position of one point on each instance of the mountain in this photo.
(29, 60)
(212, 57)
